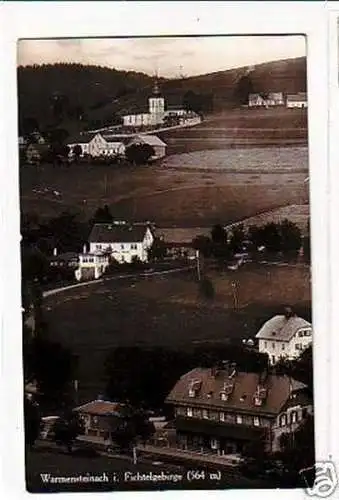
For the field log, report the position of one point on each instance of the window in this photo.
(294, 417)
(273, 359)
(222, 416)
(283, 421)
(282, 347)
(189, 412)
(214, 444)
(301, 333)
(98, 247)
(205, 414)
(256, 421)
(239, 419)
(265, 345)
(122, 246)
(273, 345)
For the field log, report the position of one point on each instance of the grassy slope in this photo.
(169, 311)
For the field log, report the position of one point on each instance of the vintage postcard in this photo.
(166, 274)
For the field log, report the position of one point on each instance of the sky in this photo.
(168, 57)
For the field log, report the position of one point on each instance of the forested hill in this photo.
(78, 97)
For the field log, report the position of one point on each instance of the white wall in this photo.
(279, 348)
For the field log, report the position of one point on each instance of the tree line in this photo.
(272, 238)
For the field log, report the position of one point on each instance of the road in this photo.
(141, 274)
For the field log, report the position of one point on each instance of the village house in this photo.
(100, 418)
(221, 410)
(152, 140)
(97, 144)
(64, 260)
(298, 100)
(35, 152)
(114, 242)
(266, 100)
(179, 241)
(284, 336)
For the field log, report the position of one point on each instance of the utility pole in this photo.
(76, 387)
(235, 298)
(198, 265)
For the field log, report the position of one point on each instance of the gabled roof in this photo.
(83, 138)
(152, 140)
(241, 398)
(117, 233)
(300, 96)
(100, 407)
(281, 327)
(116, 139)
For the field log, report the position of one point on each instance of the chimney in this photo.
(289, 312)
(55, 252)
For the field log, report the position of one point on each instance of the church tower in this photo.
(156, 105)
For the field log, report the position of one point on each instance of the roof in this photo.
(281, 327)
(82, 138)
(152, 140)
(137, 110)
(116, 139)
(241, 398)
(182, 235)
(301, 96)
(300, 398)
(100, 407)
(66, 256)
(116, 233)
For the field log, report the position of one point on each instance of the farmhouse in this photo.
(36, 152)
(100, 418)
(266, 100)
(96, 144)
(221, 410)
(298, 100)
(116, 242)
(152, 140)
(284, 336)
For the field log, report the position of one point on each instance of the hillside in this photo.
(77, 96)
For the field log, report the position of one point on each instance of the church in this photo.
(156, 113)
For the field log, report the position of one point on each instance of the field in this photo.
(196, 188)
(239, 128)
(169, 311)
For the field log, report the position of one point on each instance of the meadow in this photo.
(169, 311)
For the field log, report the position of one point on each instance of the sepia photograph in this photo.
(165, 263)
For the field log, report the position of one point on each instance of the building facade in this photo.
(100, 419)
(223, 410)
(97, 144)
(284, 336)
(157, 144)
(298, 100)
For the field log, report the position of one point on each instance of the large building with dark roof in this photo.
(223, 410)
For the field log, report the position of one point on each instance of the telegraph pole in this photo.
(198, 265)
(235, 298)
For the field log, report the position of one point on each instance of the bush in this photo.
(207, 288)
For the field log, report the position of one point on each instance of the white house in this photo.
(92, 265)
(157, 144)
(284, 336)
(270, 99)
(96, 144)
(298, 100)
